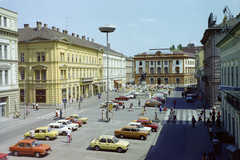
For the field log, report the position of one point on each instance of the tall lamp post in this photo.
(107, 29)
(25, 98)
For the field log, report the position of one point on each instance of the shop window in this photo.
(21, 95)
(41, 96)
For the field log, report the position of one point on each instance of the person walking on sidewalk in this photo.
(69, 136)
(103, 118)
(210, 130)
(200, 118)
(37, 107)
(208, 122)
(182, 94)
(79, 105)
(60, 113)
(215, 145)
(32, 132)
(219, 146)
(213, 119)
(160, 109)
(123, 106)
(211, 155)
(174, 102)
(193, 121)
(33, 104)
(169, 92)
(139, 103)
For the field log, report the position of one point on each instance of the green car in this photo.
(43, 133)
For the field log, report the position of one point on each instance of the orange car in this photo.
(30, 147)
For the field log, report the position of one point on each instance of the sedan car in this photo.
(68, 123)
(3, 156)
(152, 103)
(109, 142)
(30, 147)
(60, 128)
(189, 98)
(140, 126)
(122, 97)
(118, 102)
(131, 96)
(148, 123)
(46, 133)
(131, 132)
(74, 120)
(79, 118)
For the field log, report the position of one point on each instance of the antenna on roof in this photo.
(66, 26)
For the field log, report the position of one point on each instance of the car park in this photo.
(60, 128)
(131, 132)
(148, 123)
(153, 103)
(46, 133)
(140, 126)
(122, 97)
(189, 98)
(74, 120)
(30, 147)
(69, 124)
(108, 142)
(79, 118)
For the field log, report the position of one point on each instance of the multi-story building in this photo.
(199, 70)
(62, 66)
(191, 48)
(165, 67)
(9, 90)
(230, 78)
(129, 70)
(116, 68)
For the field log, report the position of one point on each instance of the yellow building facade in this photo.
(57, 66)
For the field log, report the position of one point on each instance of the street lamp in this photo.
(25, 98)
(107, 29)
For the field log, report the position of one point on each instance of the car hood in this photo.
(147, 128)
(85, 118)
(43, 146)
(122, 142)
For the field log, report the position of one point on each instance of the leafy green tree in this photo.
(172, 48)
(179, 47)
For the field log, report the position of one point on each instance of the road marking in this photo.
(166, 117)
(178, 116)
(184, 117)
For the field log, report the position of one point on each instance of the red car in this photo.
(30, 147)
(3, 156)
(117, 101)
(122, 97)
(148, 123)
(74, 120)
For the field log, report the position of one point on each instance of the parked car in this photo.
(3, 156)
(189, 98)
(131, 132)
(131, 96)
(60, 128)
(74, 120)
(140, 126)
(30, 147)
(104, 105)
(122, 97)
(108, 142)
(46, 133)
(148, 123)
(152, 103)
(117, 101)
(68, 123)
(79, 118)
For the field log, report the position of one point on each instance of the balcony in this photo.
(89, 79)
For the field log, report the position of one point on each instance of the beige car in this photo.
(131, 132)
(152, 103)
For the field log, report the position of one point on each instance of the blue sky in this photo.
(140, 24)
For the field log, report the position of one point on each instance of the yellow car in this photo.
(108, 142)
(79, 118)
(43, 133)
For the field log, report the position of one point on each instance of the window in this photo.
(103, 140)
(5, 52)
(61, 74)
(140, 70)
(177, 70)
(165, 80)
(80, 73)
(159, 70)
(77, 73)
(68, 58)
(177, 62)
(232, 76)
(37, 74)
(72, 58)
(86, 59)
(21, 145)
(43, 57)
(89, 60)
(62, 57)
(92, 60)
(95, 61)
(68, 74)
(152, 80)
(21, 95)
(177, 80)
(165, 70)
(28, 145)
(22, 75)
(37, 131)
(40, 96)
(22, 57)
(165, 62)
(140, 63)
(76, 58)
(44, 76)
(151, 62)
(5, 21)
(6, 76)
(152, 70)
(80, 59)
(109, 141)
(236, 76)
(73, 73)
(40, 57)
(0, 77)
(83, 59)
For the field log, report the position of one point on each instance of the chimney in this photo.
(53, 28)
(92, 40)
(58, 29)
(84, 37)
(26, 26)
(66, 32)
(88, 38)
(45, 25)
(73, 34)
(63, 31)
(39, 25)
(77, 36)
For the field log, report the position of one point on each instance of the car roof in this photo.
(64, 120)
(55, 124)
(143, 120)
(42, 127)
(106, 136)
(130, 127)
(134, 123)
(27, 140)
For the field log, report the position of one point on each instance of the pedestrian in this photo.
(142, 111)
(56, 112)
(156, 117)
(79, 105)
(60, 113)
(193, 121)
(69, 136)
(204, 156)
(103, 118)
(117, 109)
(81, 99)
(200, 118)
(208, 122)
(219, 146)
(77, 99)
(182, 94)
(210, 112)
(72, 100)
(37, 107)
(211, 155)
(27, 112)
(160, 109)
(139, 103)
(210, 130)
(171, 111)
(213, 119)
(218, 113)
(87, 95)
(123, 106)
(33, 104)
(169, 92)
(174, 102)
(218, 123)
(145, 109)
(32, 132)
(215, 145)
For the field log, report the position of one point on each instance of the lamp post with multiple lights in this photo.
(107, 29)
(25, 98)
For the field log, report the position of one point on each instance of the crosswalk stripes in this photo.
(69, 112)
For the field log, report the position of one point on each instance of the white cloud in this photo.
(147, 19)
(133, 24)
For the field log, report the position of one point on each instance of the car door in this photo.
(111, 145)
(21, 148)
(28, 149)
(42, 133)
(37, 134)
(127, 132)
(103, 143)
(57, 128)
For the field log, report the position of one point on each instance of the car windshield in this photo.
(35, 143)
(69, 122)
(142, 125)
(49, 129)
(115, 139)
(79, 116)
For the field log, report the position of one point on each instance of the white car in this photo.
(68, 123)
(189, 98)
(104, 105)
(140, 126)
(59, 127)
(129, 95)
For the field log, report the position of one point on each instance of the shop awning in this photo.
(96, 84)
(120, 82)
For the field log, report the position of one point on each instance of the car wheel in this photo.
(121, 136)
(120, 150)
(28, 137)
(154, 130)
(15, 153)
(64, 133)
(37, 154)
(97, 148)
(80, 125)
(142, 137)
(146, 105)
(104, 106)
(47, 138)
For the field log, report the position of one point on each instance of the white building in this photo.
(9, 90)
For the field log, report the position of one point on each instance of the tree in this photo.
(179, 47)
(172, 48)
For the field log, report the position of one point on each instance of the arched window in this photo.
(140, 70)
(166, 70)
(177, 80)
(159, 70)
(177, 69)
(152, 70)
(159, 81)
(152, 80)
(165, 80)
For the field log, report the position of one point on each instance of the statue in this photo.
(143, 77)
